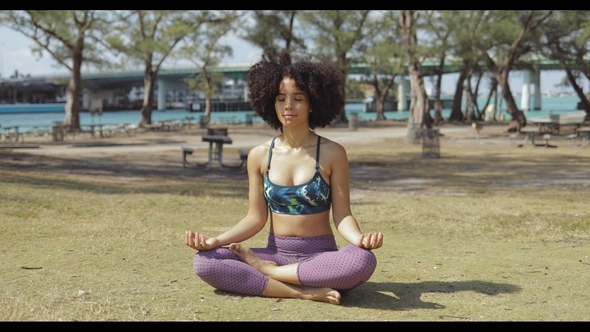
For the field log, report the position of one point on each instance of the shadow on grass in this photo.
(130, 177)
(405, 296)
(485, 169)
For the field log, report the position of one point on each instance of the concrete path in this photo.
(241, 139)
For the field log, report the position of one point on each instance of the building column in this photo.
(403, 88)
(537, 95)
(525, 98)
(162, 91)
(86, 98)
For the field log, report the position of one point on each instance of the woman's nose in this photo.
(288, 104)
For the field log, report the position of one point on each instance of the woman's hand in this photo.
(200, 241)
(371, 241)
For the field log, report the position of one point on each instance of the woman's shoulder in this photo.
(331, 146)
(260, 149)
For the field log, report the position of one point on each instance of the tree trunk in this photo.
(149, 81)
(208, 94)
(518, 119)
(72, 108)
(494, 85)
(468, 98)
(341, 58)
(456, 114)
(474, 94)
(380, 106)
(438, 118)
(583, 99)
(381, 96)
(419, 108)
(497, 110)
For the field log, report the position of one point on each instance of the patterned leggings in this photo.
(321, 264)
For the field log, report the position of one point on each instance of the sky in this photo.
(15, 54)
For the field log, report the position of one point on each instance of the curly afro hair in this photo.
(322, 82)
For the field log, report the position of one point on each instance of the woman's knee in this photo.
(345, 269)
(361, 259)
(225, 272)
(206, 262)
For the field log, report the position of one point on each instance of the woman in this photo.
(296, 177)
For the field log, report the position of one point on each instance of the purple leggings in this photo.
(321, 264)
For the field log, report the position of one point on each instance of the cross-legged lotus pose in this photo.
(295, 177)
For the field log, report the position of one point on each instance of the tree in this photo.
(566, 40)
(384, 55)
(202, 48)
(440, 25)
(460, 48)
(499, 37)
(419, 117)
(71, 37)
(147, 38)
(335, 33)
(273, 31)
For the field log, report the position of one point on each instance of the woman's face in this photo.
(292, 104)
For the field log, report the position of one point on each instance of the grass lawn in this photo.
(487, 232)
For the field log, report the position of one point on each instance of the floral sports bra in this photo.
(308, 198)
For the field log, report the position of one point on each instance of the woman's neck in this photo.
(298, 138)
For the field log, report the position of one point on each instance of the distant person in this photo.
(298, 176)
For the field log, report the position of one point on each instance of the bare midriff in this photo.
(302, 225)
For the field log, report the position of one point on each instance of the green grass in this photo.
(481, 234)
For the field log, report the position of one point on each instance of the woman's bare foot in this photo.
(323, 294)
(276, 288)
(247, 256)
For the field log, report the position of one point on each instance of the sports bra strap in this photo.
(272, 144)
(317, 153)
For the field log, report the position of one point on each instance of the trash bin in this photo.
(202, 122)
(248, 119)
(353, 121)
(57, 130)
(430, 143)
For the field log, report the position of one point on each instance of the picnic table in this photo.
(216, 137)
(552, 123)
(216, 148)
(11, 133)
(583, 133)
(529, 135)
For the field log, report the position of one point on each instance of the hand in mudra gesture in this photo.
(371, 241)
(199, 241)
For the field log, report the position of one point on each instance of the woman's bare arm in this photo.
(257, 214)
(344, 221)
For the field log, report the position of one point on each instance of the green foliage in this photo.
(198, 83)
(566, 37)
(354, 90)
(274, 30)
(203, 48)
(147, 37)
(63, 34)
(335, 33)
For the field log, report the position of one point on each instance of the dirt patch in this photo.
(158, 154)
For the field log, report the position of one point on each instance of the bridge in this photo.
(103, 85)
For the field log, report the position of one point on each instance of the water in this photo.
(28, 121)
